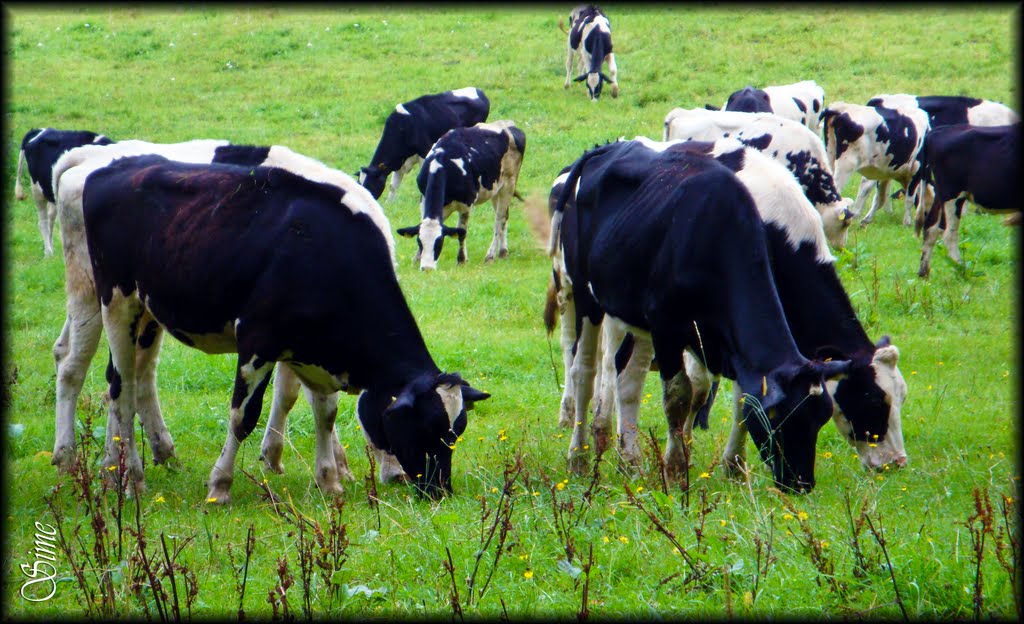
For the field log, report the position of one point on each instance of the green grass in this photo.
(321, 81)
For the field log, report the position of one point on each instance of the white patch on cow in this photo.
(496, 127)
(436, 164)
(990, 113)
(212, 343)
(356, 198)
(401, 110)
(319, 379)
(430, 231)
(466, 92)
(458, 162)
(451, 398)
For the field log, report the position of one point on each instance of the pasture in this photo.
(521, 537)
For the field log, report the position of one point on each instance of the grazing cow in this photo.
(466, 167)
(963, 162)
(40, 149)
(786, 141)
(413, 128)
(867, 402)
(259, 261)
(590, 41)
(880, 143)
(79, 338)
(802, 102)
(672, 247)
(947, 110)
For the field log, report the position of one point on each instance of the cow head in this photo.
(421, 427)
(595, 82)
(373, 179)
(749, 100)
(836, 220)
(430, 235)
(784, 415)
(871, 399)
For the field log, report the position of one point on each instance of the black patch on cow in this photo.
(859, 395)
(845, 130)
(899, 134)
(180, 335)
(113, 378)
(44, 147)
(243, 155)
(148, 335)
(624, 352)
(733, 160)
(817, 106)
(759, 143)
(816, 181)
(799, 104)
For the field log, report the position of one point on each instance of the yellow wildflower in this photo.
(116, 438)
(623, 539)
(528, 574)
(560, 486)
(494, 490)
(212, 499)
(828, 454)
(705, 475)
(159, 499)
(787, 517)
(606, 540)
(802, 515)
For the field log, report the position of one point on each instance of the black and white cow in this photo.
(466, 167)
(413, 128)
(867, 403)
(790, 143)
(803, 102)
(672, 247)
(590, 41)
(946, 110)
(40, 149)
(963, 162)
(75, 347)
(260, 262)
(880, 143)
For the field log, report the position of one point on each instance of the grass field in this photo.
(928, 541)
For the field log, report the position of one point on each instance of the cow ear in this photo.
(471, 395)
(454, 232)
(409, 232)
(580, 78)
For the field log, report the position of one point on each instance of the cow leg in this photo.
(583, 370)
(251, 380)
(677, 394)
(120, 321)
(330, 463)
(396, 176)
(613, 73)
(286, 392)
(734, 457)
(629, 387)
(147, 351)
(499, 243)
(463, 255)
(863, 191)
(73, 352)
(954, 210)
(908, 205)
(388, 467)
(47, 212)
(931, 236)
(567, 320)
(568, 66)
(614, 334)
(701, 381)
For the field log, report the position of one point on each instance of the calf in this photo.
(786, 141)
(880, 143)
(79, 338)
(261, 262)
(590, 41)
(413, 128)
(671, 246)
(466, 167)
(803, 102)
(40, 149)
(963, 162)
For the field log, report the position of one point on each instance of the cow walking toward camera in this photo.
(649, 244)
(413, 128)
(466, 167)
(264, 263)
(590, 42)
(40, 149)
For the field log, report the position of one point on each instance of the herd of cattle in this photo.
(250, 250)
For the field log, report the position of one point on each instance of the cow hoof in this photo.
(163, 452)
(63, 458)
(615, 91)
(272, 460)
(735, 468)
(489, 259)
(344, 474)
(218, 495)
(579, 463)
(503, 253)
(331, 488)
(630, 467)
(567, 414)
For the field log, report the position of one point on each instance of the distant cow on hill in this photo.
(413, 128)
(40, 149)
(590, 41)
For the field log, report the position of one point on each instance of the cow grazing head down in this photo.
(374, 178)
(595, 83)
(785, 418)
(430, 235)
(421, 427)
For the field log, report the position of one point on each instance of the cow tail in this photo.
(561, 24)
(551, 305)
(19, 193)
(921, 179)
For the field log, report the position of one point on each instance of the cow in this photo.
(867, 402)
(803, 102)
(880, 143)
(672, 247)
(786, 141)
(413, 128)
(946, 110)
(79, 338)
(40, 149)
(964, 162)
(466, 167)
(590, 41)
(260, 262)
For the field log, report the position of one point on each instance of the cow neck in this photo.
(397, 353)
(434, 195)
(392, 151)
(816, 305)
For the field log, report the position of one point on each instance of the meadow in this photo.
(521, 537)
